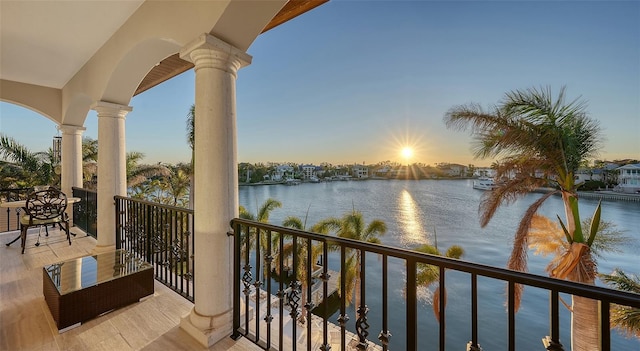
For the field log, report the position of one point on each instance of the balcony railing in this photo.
(162, 235)
(85, 212)
(271, 322)
(10, 217)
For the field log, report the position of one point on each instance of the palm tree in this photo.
(264, 211)
(352, 226)
(191, 138)
(89, 162)
(28, 168)
(532, 133)
(427, 274)
(624, 317)
(138, 173)
(302, 253)
(176, 185)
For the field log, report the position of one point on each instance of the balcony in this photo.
(26, 323)
(269, 308)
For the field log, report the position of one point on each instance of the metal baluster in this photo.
(385, 335)
(343, 318)
(473, 344)
(268, 259)
(309, 305)
(443, 323)
(257, 284)
(412, 305)
(512, 316)
(552, 343)
(325, 291)
(362, 326)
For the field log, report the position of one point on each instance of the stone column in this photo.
(216, 201)
(112, 176)
(71, 162)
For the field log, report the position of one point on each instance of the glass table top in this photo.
(83, 272)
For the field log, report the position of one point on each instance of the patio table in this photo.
(86, 287)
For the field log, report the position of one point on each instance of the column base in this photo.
(207, 330)
(102, 249)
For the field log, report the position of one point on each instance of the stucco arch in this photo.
(77, 110)
(134, 66)
(45, 101)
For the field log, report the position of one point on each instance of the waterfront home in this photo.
(64, 59)
(453, 170)
(360, 172)
(283, 172)
(629, 178)
(309, 171)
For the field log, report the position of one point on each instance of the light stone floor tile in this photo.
(27, 324)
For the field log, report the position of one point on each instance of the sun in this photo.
(407, 152)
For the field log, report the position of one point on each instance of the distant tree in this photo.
(138, 174)
(352, 226)
(25, 168)
(428, 275)
(191, 138)
(302, 252)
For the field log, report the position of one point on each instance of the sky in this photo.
(356, 81)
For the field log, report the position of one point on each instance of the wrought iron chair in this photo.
(43, 208)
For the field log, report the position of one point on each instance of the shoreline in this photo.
(599, 195)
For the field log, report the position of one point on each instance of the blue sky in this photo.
(355, 81)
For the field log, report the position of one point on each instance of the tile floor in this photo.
(26, 323)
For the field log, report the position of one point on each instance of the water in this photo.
(419, 212)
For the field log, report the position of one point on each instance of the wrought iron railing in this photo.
(270, 321)
(162, 235)
(10, 217)
(85, 212)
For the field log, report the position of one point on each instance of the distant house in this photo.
(283, 172)
(383, 172)
(629, 178)
(453, 170)
(308, 171)
(360, 172)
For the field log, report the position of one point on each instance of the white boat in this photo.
(291, 181)
(484, 184)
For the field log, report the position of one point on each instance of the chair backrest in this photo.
(46, 204)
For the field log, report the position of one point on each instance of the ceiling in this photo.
(174, 65)
(45, 43)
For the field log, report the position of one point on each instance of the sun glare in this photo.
(407, 152)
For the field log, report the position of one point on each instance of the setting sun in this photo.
(407, 152)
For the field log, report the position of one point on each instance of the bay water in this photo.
(445, 212)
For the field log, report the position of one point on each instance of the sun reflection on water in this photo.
(409, 221)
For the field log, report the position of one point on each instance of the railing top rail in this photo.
(84, 189)
(155, 204)
(529, 279)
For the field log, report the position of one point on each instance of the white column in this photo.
(216, 201)
(112, 177)
(71, 162)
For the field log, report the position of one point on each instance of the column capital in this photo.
(207, 51)
(109, 109)
(69, 129)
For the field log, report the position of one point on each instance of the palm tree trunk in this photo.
(585, 319)
(571, 224)
(585, 324)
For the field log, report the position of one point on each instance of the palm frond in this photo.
(608, 238)
(625, 318)
(546, 237)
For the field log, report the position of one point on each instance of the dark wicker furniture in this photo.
(86, 287)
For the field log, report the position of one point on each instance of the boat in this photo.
(484, 183)
(291, 181)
